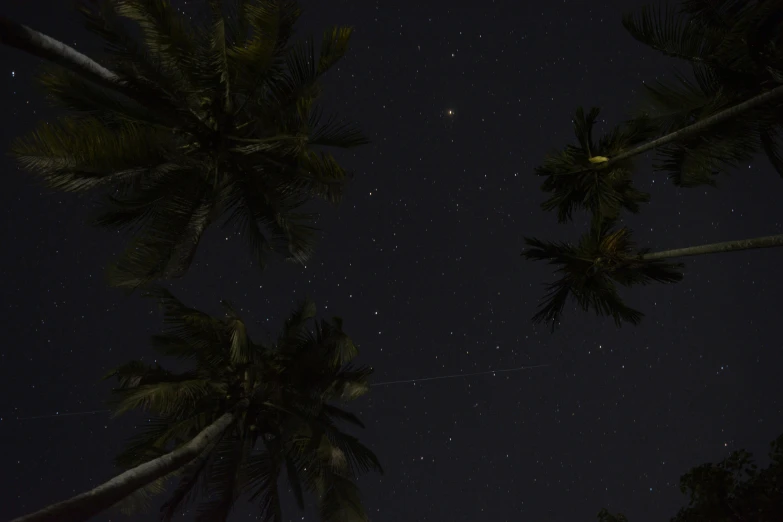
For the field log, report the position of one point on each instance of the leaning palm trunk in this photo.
(714, 248)
(86, 505)
(38, 44)
(693, 130)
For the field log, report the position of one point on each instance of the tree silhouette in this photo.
(734, 490)
(233, 423)
(734, 109)
(591, 270)
(190, 125)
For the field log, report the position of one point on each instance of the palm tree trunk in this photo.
(714, 248)
(38, 44)
(86, 505)
(695, 129)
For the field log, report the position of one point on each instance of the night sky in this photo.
(422, 261)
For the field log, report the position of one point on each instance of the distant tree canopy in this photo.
(734, 490)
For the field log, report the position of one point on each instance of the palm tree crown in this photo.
(206, 121)
(282, 396)
(590, 271)
(735, 50)
(603, 257)
(576, 177)
(732, 109)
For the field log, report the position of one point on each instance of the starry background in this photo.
(422, 260)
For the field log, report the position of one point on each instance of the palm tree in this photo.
(732, 110)
(244, 414)
(735, 51)
(603, 258)
(575, 183)
(191, 124)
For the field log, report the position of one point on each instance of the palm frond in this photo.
(184, 250)
(217, 59)
(299, 84)
(583, 128)
(552, 304)
(630, 133)
(180, 251)
(770, 142)
(260, 52)
(245, 218)
(334, 132)
(135, 63)
(752, 27)
(554, 252)
(301, 235)
(292, 471)
(646, 272)
(716, 13)
(601, 295)
(695, 162)
(673, 107)
(168, 242)
(663, 29)
(340, 501)
(340, 348)
(713, 38)
(138, 197)
(162, 398)
(165, 34)
(241, 348)
(225, 484)
(295, 327)
(350, 383)
(133, 373)
(193, 331)
(72, 92)
(192, 476)
(304, 68)
(81, 154)
(176, 313)
(281, 145)
(268, 221)
(321, 175)
(237, 27)
(360, 458)
(339, 414)
(302, 442)
(334, 45)
(261, 472)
